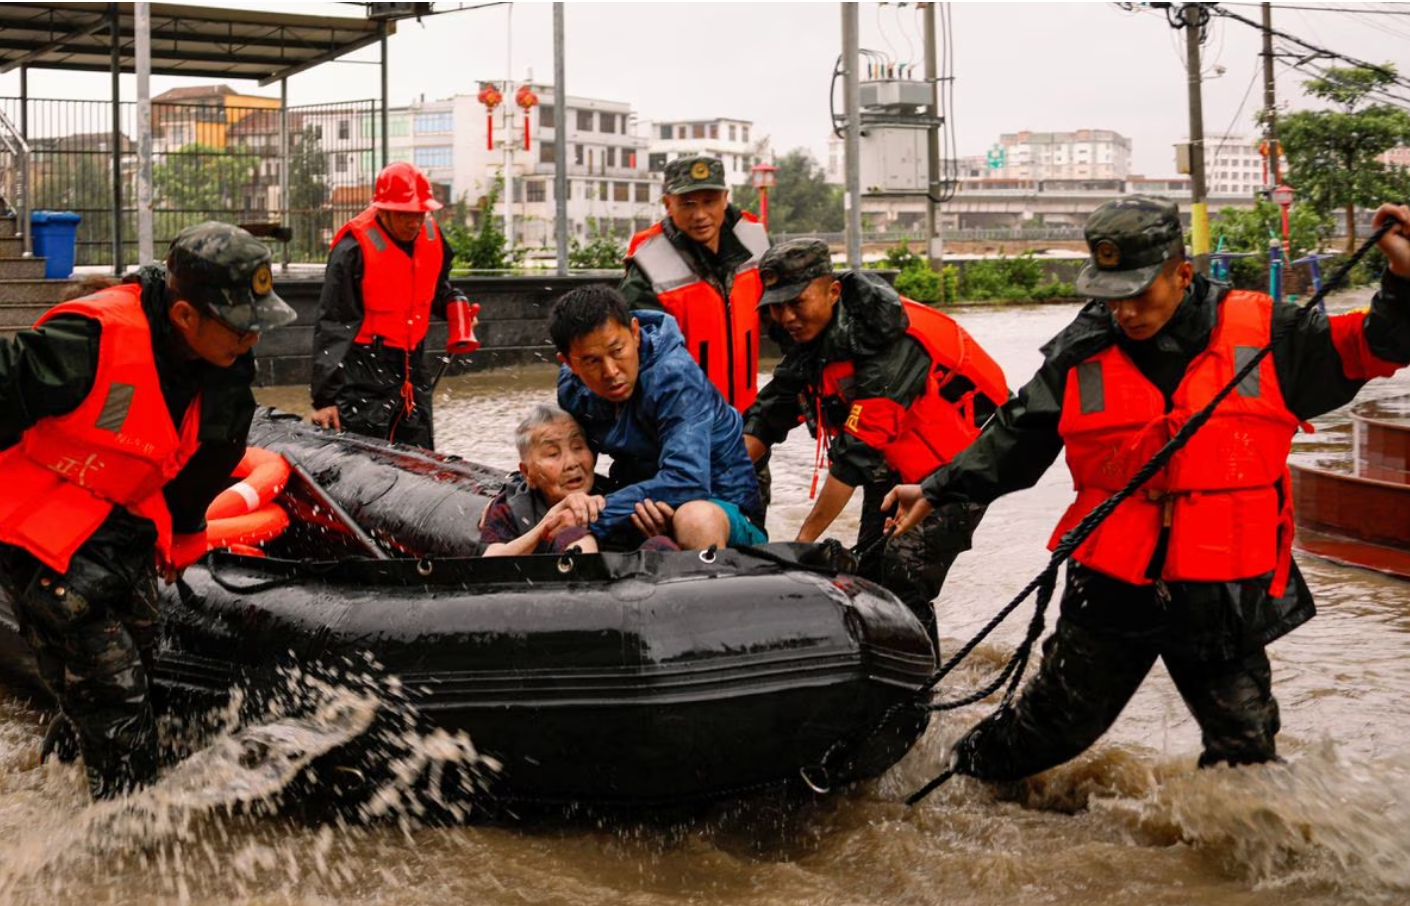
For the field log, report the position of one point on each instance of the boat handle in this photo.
(823, 786)
(708, 554)
(424, 567)
(565, 564)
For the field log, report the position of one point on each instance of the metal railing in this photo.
(16, 179)
(218, 160)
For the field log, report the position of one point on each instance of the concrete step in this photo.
(11, 246)
(27, 293)
(21, 268)
(7, 226)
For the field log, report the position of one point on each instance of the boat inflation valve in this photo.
(424, 567)
(816, 777)
(708, 554)
(565, 564)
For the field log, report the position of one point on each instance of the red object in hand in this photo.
(460, 316)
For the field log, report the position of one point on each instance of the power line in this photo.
(1328, 9)
(1400, 80)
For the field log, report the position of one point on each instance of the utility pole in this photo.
(560, 143)
(1270, 108)
(934, 248)
(851, 88)
(1195, 17)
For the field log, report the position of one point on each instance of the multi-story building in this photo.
(728, 139)
(1083, 154)
(1396, 157)
(201, 115)
(1233, 165)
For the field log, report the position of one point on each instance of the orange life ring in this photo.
(262, 473)
(234, 532)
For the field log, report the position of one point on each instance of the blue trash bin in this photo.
(55, 235)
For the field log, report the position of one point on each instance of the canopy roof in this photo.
(199, 41)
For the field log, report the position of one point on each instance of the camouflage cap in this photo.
(788, 268)
(1130, 240)
(228, 271)
(691, 174)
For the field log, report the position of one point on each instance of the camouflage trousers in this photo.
(1085, 680)
(913, 566)
(93, 629)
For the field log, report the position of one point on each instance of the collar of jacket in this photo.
(731, 253)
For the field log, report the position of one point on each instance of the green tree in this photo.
(801, 201)
(309, 214)
(486, 248)
(199, 182)
(1332, 153)
(604, 250)
(80, 182)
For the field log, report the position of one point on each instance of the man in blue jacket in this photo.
(677, 447)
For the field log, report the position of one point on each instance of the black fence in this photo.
(212, 159)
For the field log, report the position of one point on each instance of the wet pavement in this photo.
(1131, 821)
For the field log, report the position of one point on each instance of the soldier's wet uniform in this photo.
(93, 626)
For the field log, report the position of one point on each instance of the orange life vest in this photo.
(397, 289)
(1225, 498)
(117, 448)
(722, 335)
(918, 439)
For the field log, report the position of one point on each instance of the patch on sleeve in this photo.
(854, 418)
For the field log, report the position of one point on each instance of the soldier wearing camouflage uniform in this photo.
(122, 415)
(1196, 568)
(895, 388)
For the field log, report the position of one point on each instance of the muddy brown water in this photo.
(1131, 821)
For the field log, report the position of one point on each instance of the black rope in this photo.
(1045, 581)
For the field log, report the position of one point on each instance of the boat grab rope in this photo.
(1045, 582)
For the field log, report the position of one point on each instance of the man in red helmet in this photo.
(388, 271)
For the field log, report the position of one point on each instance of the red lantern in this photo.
(527, 100)
(490, 97)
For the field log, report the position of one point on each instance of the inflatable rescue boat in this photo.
(606, 679)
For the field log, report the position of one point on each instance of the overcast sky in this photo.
(1051, 66)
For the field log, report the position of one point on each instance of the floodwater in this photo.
(1131, 821)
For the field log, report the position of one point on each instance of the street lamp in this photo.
(1282, 196)
(761, 176)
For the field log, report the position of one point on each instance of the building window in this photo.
(697, 130)
(714, 130)
(602, 191)
(733, 132)
(546, 153)
(666, 132)
(432, 123)
(578, 154)
(608, 122)
(744, 133)
(343, 130)
(611, 156)
(656, 162)
(342, 163)
(680, 132)
(432, 156)
(584, 120)
(535, 190)
(621, 191)
(643, 192)
(397, 125)
(546, 118)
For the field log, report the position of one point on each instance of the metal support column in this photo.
(851, 88)
(115, 65)
(386, 139)
(284, 170)
(560, 143)
(932, 74)
(146, 240)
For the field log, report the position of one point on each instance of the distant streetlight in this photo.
(761, 176)
(1282, 196)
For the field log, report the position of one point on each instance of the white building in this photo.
(1083, 154)
(728, 139)
(1233, 165)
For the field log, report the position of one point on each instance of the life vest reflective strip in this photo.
(397, 289)
(1225, 498)
(262, 473)
(938, 424)
(118, 447)
(722, 335)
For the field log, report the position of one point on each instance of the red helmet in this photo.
(402, 187)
